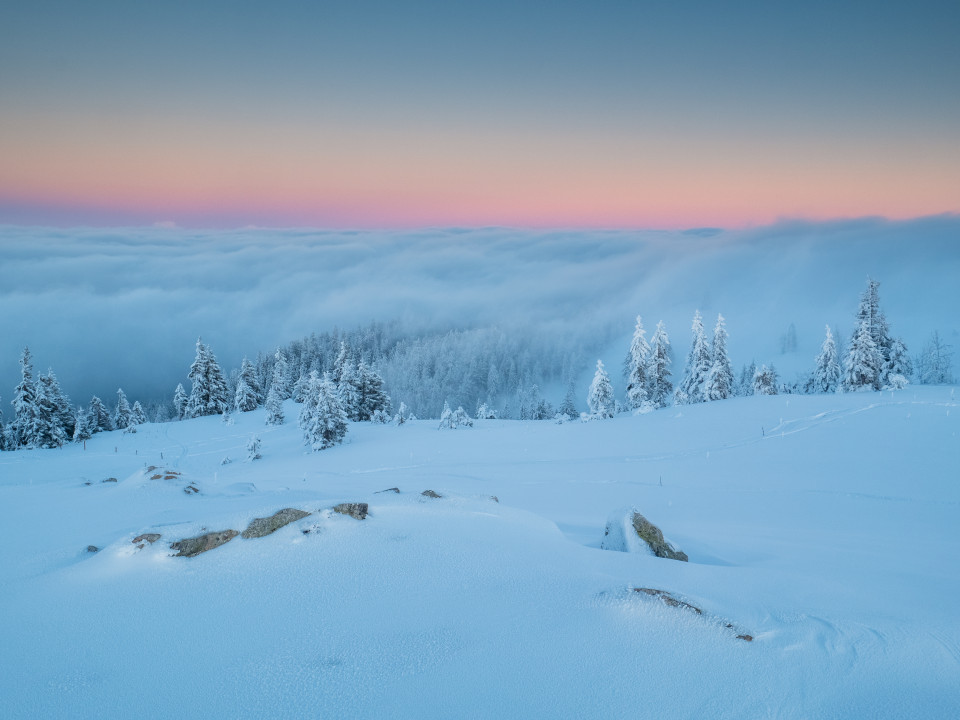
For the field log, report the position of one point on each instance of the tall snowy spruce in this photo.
(600, 399)
(280, 377)
(659, 388)
(637, 359)
(826, 374)
(898, 362)
(862, 366)
(248, 396)
(180, 400)
(322, 418)
(99, 416)
(371, 397)
(83, 427)
(208, 391)
(123, 414)
(719, 383)
(46, 430)
(64, 408)
(24, 401)
(275, 396)
(699, 362)
(137, 415)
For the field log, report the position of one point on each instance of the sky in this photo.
(375, 114)
(109, 308)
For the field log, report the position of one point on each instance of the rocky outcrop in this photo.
(631, 532)
(354, 510)
(669, 599)
(191, 547)
(431, 494)
(260, 527)
(393, 490)
(141, 540)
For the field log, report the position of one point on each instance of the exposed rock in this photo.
(669, 599)
(495, 498)
(259, 527)
(431, 494)
(151, 538)
(151, 468)
(156, 477)
(652, 536)
(354, 510)
(109, 480)
(393, 490)
(190, 547)
(629, 531)
(92, 549)
(748, 638)
(190, 489)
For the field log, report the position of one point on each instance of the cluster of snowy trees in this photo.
(339, 377)
(43, 416)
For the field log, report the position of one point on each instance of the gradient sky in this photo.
(405, 114)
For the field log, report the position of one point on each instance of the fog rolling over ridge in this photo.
(123, 307)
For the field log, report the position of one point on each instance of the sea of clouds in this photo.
(124, 306)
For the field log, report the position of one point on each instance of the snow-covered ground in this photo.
(823, 526)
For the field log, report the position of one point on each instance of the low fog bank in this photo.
(124, 307)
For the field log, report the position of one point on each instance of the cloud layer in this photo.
(109, 308)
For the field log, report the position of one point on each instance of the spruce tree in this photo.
(371, 396)
(765, 381)
(898, 363)
(569, 405)
(24, 401)
(274, 406)
(826, 374)
(600, 398)
(863, 364)
(699, 362)
(208, 390)
(137, 415)
(327, 422)
(123, 414)
(83, 427)
(180, 400)
(46, 431)
(348, 391)
(100, 416)
(280, 375)
(660, 387)
(446, 417)
(637, 359)
(719, 384)
(247, 396)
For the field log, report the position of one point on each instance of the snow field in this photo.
(824, 526)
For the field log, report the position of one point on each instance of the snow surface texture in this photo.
(823, 526)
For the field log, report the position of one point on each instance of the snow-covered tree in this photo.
(719, 384)
(137, 415)
(861, 367)
(600, 398)
(325, 425)
(24, 401)
(870, 314)
(935, 362)
(83, 428)
(279, 378)
(208, 390)
(446, 417)
(253, 448)
(348, 391)
(403, 414)
(180, 400)
(100, 416)
(301, 388)
(460, 418)
(123, 414)
(699, 362)
(898, 361)
(826, 374)
(46, 430)
(637, 359)
(247, 396)
(660, 387)
(569, 405)
(370, 393)
(765, 381)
